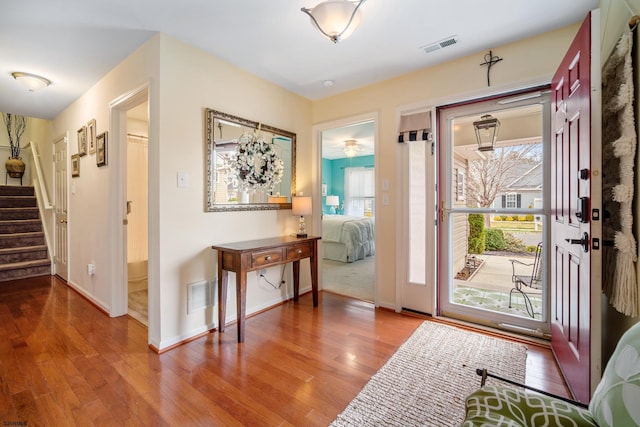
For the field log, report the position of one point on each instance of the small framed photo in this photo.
(75, 165)
(91, 135)
(101, 149)
(82, 141)
(324, 189)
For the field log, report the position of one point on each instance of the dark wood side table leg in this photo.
(223, 277)
(296, 280)
(313, 262)
(241, 299)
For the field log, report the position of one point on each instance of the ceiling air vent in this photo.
(432, 47)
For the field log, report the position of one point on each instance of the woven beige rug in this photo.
(426, 381)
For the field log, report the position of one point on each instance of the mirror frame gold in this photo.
(210, 205)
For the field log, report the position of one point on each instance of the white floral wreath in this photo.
(257, 163)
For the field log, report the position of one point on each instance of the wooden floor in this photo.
(64, 362)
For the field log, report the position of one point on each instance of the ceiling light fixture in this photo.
(32, 82)
(486, 132)
(336, 19)
(350, 147)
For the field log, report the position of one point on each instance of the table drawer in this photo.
(266, 258)
(298, 252)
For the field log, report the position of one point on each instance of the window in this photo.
(511, 200)
(359, 191)
(460, 186)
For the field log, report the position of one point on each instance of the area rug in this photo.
(426, 381)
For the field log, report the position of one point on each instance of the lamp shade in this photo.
(336, 19)
(31, 81)
(333, 200)
(301, 205)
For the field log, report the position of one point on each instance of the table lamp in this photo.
(301, 205)
(334, 202)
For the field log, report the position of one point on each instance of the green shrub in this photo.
(513, 244)
(504, 217)
(494, 240)
(530, 217)
(476, 233)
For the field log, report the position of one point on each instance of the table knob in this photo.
(267, 258)
(299, 251)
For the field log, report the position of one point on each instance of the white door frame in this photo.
(118, 143)
(64, 139)
(316, 174)
(424, 294)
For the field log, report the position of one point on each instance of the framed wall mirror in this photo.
(228, 188)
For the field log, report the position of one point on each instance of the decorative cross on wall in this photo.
(489, 60)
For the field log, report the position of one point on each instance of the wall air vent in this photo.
(432, 47)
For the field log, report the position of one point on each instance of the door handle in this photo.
(63, 221)
(584, 242)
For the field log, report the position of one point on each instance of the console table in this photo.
(251, 255)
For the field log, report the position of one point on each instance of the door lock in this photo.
(584, 242)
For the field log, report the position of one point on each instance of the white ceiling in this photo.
(76, 42)
(333, 140)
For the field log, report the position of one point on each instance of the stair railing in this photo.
(42, 196)
(38, 180)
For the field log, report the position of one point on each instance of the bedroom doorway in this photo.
(348, 210)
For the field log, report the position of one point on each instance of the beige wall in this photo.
(528, 62)
(192, 80)
(183, 81)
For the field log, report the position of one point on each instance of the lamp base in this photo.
(301, 235)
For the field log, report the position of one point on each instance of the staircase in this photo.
(23, 252)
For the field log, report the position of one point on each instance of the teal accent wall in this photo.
(333, 175)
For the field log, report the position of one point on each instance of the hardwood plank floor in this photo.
(64, 362)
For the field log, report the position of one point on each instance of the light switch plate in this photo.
(183, 180)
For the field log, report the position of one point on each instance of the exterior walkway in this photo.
(489, 287)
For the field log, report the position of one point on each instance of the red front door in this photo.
(575, 176)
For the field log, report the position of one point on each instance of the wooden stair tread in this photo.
(23, 249)
(25, 234)
(25, 264)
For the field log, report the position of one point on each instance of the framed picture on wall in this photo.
(101, 149)
(91, 135)
(82, 141)
(75, 165)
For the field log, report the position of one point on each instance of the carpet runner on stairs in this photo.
(23, 251)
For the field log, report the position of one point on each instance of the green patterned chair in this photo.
(616, 401)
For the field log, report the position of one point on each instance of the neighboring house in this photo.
(525, 191)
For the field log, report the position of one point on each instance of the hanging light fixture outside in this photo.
(336, 19)
(486, 132)
(30, 81)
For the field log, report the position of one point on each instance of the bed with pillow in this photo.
(347, 238)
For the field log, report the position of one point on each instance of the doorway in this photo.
(348, 209)
(137, 253)
(494, 209)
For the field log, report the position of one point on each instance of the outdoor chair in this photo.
(615, 401)
(529, 282)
